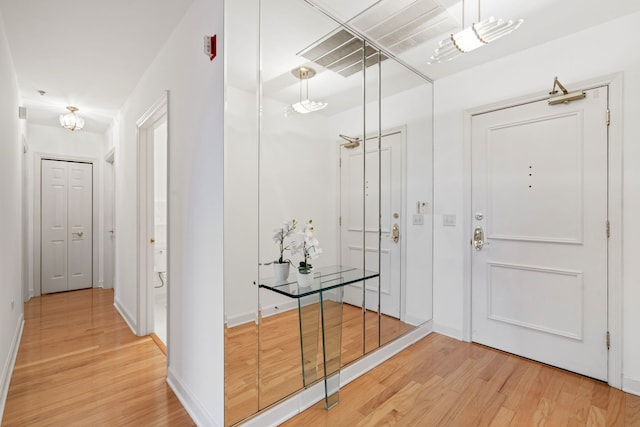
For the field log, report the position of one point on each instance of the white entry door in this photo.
(67, 215)
(539, 196)
(374, 189)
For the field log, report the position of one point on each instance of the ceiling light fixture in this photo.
(304, 106)
(71, 120)
(471, 38)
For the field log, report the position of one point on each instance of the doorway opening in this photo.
(153, 222)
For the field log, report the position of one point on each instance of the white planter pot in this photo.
(304, 280)
(281, 271)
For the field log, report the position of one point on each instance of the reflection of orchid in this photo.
(279, 234)
(308, 246)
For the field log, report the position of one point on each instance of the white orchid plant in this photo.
(308, 246)
(279, 236)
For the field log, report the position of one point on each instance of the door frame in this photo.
(614, 207)
(109, 202)
(144, 262)
(37, 217)
(402, 130)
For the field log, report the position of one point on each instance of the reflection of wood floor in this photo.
(79, 364)
(444, 382)
(280, 361)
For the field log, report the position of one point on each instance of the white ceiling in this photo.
(85, 53)
(92, 53)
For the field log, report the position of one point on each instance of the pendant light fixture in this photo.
(304, 106)
(471, 38)
(71, 120)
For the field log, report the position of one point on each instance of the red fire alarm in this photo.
(210, 46)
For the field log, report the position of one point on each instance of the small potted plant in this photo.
(281, 265)
(310, 249)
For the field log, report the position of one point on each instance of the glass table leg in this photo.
(309, 317)
(331, 313)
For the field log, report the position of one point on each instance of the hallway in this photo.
(80, 364)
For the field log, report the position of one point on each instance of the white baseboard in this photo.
(448, 331)
(126, 316)
(240, 319)
(271, 310)
(7, 369)
(631, 385)
(193, 406)
(312, 395)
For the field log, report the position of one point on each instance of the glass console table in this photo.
(320, 312)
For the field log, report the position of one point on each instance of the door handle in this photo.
(478, 238)
(78, 233)
(396, 233)
(152, 240)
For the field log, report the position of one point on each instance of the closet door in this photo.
(67, 212)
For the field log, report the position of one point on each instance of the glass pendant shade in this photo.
(473, 37)
(304, 106)
(307, 106)
(71, 120)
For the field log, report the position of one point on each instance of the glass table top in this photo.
(324, 278)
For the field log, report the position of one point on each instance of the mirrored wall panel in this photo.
(328, 164)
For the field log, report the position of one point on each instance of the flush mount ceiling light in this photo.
(71, 120)
(304, 106)
(471, 38)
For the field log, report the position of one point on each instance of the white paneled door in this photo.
(372, 180)
(539, 227)
(67, 215)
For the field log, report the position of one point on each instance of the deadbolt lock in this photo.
(396, 233)
(478, 238)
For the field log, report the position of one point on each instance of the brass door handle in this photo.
(396, 233)
(152, 240)
(78, 233)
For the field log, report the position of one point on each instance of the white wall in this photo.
(57, 142)
(596, 52)
(195, 197)
(11, 131)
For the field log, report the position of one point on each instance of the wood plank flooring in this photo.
(440, 381)
(80, 365)
(278, 358)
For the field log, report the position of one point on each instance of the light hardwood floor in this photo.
(440, 381)
(279, 357)
(80, 365)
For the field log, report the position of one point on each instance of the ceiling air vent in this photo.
(394, 25)
(341, 52)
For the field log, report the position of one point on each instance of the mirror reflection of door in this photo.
(67, 226)
(379, 184)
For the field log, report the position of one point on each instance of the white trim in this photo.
(7, 369)
(196, 409)
(240, 319)
(128, 318)
(37, 220)
(615, 303)
(308, 397)
(273, 309)
(631, 385)
(449, 332)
